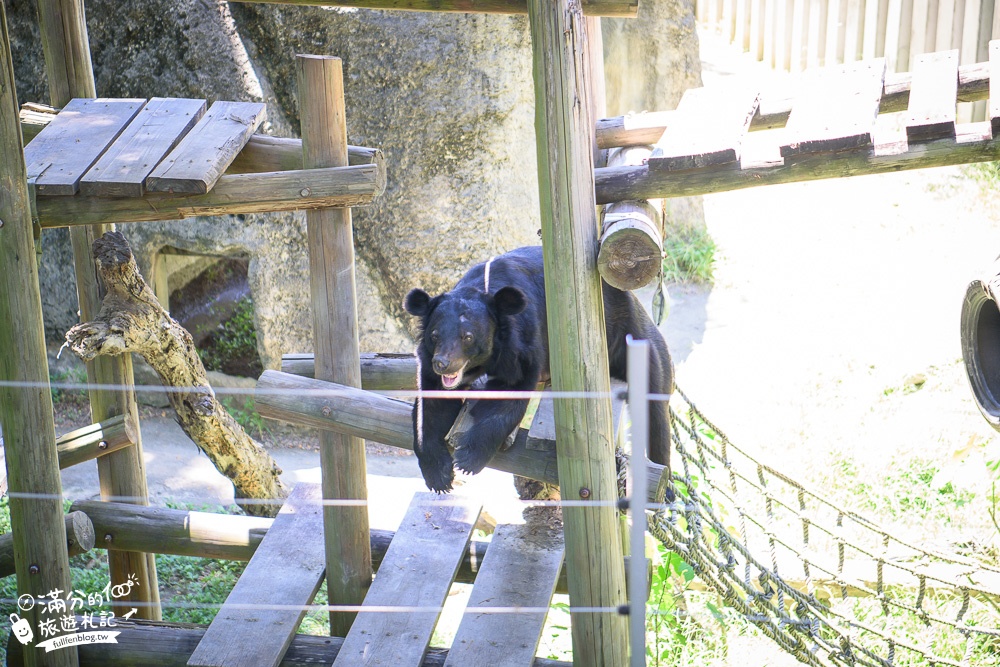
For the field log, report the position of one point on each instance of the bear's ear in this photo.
(509, 301)
(417, 302)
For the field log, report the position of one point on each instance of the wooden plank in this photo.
(63, 152)
(153, 133)
(707, 129)
(237, 193)
(542, 433)
(203, 155)
(520, 570)
(95, 440)
(415, 576)
(259, 618)
(933, 93)
(835, 110)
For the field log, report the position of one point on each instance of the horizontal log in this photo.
(385, 372)
(620, 8)
(154, 644)
(974, 143)
(175, 532)
(368, 415)
(79, 539)
(262, 153)
(94, 440)
(631, 251)
(233, 194)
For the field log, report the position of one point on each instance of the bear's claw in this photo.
(438, 474)
(471, 461)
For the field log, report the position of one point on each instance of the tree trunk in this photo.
(132, 320)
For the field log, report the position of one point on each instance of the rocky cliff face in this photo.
(447, 97)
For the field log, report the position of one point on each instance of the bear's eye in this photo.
(467, 337)
(434, 336)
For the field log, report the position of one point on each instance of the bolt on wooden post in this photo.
(335, 337)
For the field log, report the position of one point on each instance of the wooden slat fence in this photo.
(792, 35)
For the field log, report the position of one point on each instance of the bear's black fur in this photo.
(502, 334)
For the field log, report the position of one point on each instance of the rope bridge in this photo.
(844, 591)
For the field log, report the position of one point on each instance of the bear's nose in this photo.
(440, 364)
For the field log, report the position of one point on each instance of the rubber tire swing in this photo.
(981, 346)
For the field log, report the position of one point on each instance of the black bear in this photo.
(493, 324)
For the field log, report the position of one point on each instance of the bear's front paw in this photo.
(438, 472)
(472, 460)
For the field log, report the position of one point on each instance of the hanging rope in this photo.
(829, 586)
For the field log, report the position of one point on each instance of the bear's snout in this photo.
(440, 364)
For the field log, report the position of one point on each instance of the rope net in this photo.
(829, 586)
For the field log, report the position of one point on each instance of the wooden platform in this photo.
(502, 626)
(133, 160)
(829, 129)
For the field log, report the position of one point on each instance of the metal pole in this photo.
(638, 406)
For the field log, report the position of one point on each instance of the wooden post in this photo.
(37, 524)
(335, 337)
(122, 474)
(577, 348)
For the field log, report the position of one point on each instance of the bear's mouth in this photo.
(453, 380)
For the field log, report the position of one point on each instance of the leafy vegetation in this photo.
(64, 381)
(246, 416)
(233, 347)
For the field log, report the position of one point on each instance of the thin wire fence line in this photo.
(349, 391)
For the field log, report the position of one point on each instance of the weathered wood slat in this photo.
(331, 406)
(520, 570)
(153, 133)
(707, 129)
(233, 194)
(170, 645)
(205, 152)
(835, 109)
(415, 576)
(63, 152)
(994, 95)
(542, 434)
(933, 104)
(259, 618)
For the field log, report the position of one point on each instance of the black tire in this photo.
(981, 349)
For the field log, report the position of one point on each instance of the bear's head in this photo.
(460, 328)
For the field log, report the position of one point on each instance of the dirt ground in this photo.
(832, 301)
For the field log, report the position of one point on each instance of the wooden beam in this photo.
(378, 371)
(564, 130)
(95, 440)
(233, 194)
(932, 108)
(122, 473)
(79, 539)
(163, 530)
(335, 337)
(170, 645)
(36, 515)
(368, 415)
(259, 618)
(973, 142)
(620, 8)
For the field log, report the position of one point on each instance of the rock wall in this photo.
(447, 97)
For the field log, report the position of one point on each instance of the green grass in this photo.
(246, 416)
(690, 255)
(74, 376)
